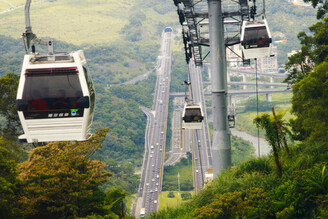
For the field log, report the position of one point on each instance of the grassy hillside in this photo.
(245, 117)
(116, 33)
(120, 38)
(81, 21)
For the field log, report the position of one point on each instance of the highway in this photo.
(252, 72)
(201, 146)
(178, 150)
(240, 92)
(195, 141)
(151, 179)
(252, 83)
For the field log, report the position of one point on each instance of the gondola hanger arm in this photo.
(263, 10)
(28, 35)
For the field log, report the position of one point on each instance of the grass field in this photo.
(170, 179)
(69, 21)
(170, 202)
(282, 103)
(277, 99)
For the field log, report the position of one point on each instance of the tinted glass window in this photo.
(193, 115)
(256, 37)
(52, 93)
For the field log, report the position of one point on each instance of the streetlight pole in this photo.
(221, 147)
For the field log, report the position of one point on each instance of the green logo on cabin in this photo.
(74, 112)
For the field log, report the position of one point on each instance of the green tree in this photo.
(186, 196)
(298, 66)
(15, 151)
(115, 201)
(9, 127)
(133, 31)
(170, 195)
(8, 90)
(8, 184)
(241, 150)
(61, 180)
(253, 203)
(314, 51)
(267, 122)
(310, 103)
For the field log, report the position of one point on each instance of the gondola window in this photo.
(52, 93)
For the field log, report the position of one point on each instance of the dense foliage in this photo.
(268, 123)
(310, 103)
(61, 180)
(118, 108)
(58, 180)
(179, 72)
(254, 190)
(241, 150)
(308, 74)
(11, 54)
(9, 123)
(8, 183)
(8, 90)
(313, 52)
(186, 196)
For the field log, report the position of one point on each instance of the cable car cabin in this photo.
(231, 121)
(192, 117)
(55, 98)
(256, 39)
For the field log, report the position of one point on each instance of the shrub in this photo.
(186, 196)
(171, 195)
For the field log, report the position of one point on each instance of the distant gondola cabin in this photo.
(256, 39)
(192, 117)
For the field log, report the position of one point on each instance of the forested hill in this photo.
(89, 21)
(121, 38)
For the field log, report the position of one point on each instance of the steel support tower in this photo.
(210, 25)
(221, 145)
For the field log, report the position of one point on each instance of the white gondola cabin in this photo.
(256, 39)
(192, 117)
(55, 98)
